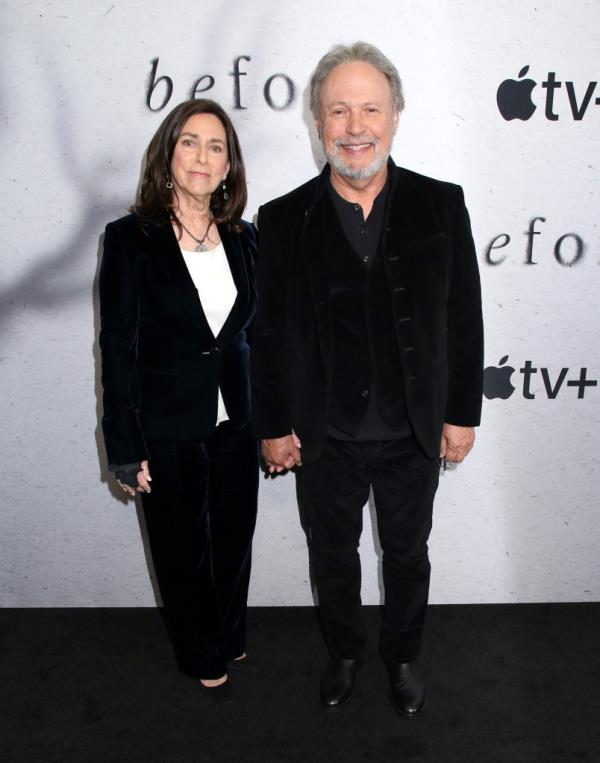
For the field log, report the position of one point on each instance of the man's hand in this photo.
(282, 453)
(456, 442)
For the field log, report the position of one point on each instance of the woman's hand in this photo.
(143, 479)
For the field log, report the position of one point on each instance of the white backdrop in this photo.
(518, 522)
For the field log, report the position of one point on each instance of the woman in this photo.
(177, 295)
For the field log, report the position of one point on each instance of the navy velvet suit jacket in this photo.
(161, 363)
(433, 281)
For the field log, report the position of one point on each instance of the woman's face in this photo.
(200, 161)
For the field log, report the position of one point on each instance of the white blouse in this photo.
(212, 278)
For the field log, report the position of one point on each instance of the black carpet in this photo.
(506, 683)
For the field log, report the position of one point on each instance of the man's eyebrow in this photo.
(348, 103)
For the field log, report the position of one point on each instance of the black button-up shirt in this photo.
(363, 234)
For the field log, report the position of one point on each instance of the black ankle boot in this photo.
(338, 681)
(408, 689)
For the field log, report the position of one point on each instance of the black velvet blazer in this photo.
(161, 363)
(433, 280)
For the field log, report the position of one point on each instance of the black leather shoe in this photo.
(338, 681)
(408, 689)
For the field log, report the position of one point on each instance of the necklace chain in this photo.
(200, 245)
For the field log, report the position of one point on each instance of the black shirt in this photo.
(363, 234)
(364, 237)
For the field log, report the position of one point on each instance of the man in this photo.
(367, 359)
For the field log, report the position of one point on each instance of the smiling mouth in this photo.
(355, 148)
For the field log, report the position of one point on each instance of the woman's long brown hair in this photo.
(154, 196)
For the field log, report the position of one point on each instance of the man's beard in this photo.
(356, 173)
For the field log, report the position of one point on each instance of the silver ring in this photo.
(447, 466)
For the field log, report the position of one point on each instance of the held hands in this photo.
(456, 442)
(143, 478)
(281, 453)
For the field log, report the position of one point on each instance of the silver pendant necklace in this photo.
(200, 245)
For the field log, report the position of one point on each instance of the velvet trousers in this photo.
(333, 492)
(200, 518)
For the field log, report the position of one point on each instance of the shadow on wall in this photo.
(52, 280)
(59, 277)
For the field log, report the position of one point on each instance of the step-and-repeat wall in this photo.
(502, 98)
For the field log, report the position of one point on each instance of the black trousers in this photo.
(200, 518)
(333, 492)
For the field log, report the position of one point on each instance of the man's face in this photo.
(356, 120)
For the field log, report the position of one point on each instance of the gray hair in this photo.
(345, 54)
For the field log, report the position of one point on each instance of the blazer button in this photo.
(411, 378)
(394, 258)
(403, 320)
(400, 288)
(364, 393)
(408, 349)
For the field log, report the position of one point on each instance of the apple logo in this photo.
(514, 97)
(496, 380)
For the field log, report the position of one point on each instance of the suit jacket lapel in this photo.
(410, 217)
(235, 256)
(171, 265)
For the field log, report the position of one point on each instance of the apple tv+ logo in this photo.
(497, 381)
(514, 97)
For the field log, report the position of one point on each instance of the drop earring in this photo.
(169, 183)
(224, 188)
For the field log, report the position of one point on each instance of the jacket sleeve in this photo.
(465, 325)
(270, 396)
(118, 345)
